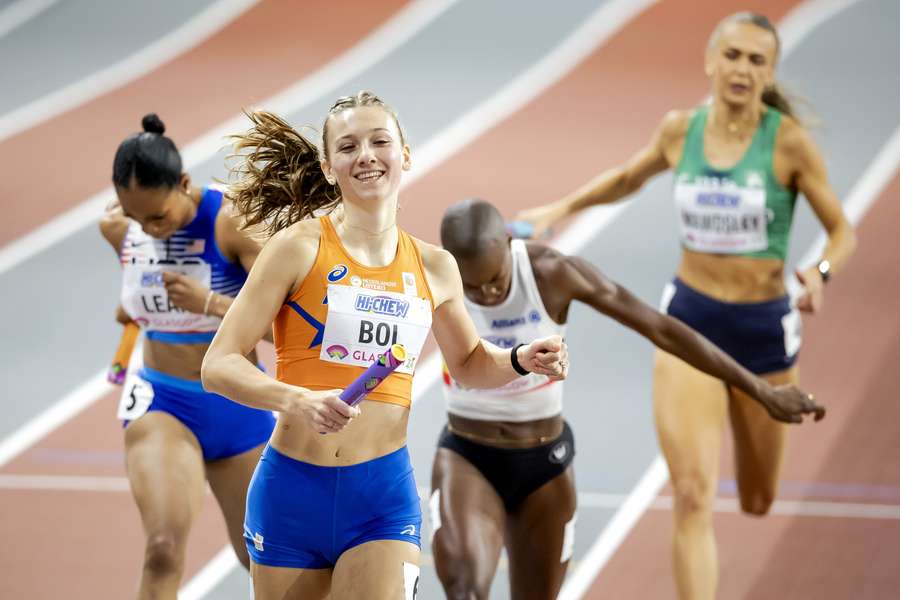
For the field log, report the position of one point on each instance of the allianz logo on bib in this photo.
(382, 305)
(534, 316)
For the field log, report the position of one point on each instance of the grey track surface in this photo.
(47, 53)
(430, 82)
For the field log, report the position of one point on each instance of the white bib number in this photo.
(145, 299)
(137, 395)
(363, 323)
(721, 217)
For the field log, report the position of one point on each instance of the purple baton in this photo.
(383, 366)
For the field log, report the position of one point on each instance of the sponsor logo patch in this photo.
(337, 273)
(382, 305)
(337, 351)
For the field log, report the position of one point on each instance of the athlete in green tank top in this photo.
(743, 210)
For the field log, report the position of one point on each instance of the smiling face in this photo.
(740, 62)
(160, 211)
(365, 153)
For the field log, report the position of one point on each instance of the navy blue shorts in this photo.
(764, 337)
(223, 428)
(304, 516)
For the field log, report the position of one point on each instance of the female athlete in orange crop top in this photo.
(339, 514)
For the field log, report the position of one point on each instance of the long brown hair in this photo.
(774, 95)
(276, 177)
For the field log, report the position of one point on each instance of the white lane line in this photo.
(19, 13)
(371, 49)
(191, 33)
(586, 500)
(210, 575)
(54, 416)
(64, 483)
(794, 28)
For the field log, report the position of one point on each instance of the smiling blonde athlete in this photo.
(338, 515)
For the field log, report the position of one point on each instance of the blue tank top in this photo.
(191, 250)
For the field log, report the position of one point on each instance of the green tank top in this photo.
(743, 210)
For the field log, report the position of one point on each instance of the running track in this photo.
(515, 130)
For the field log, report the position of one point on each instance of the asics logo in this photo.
(409, 530)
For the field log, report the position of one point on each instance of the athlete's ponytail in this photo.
(150, 159)
(276, 178)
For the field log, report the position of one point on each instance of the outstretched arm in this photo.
(588, 285)
(615, 183)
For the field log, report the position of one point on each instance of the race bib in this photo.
(720, 217)
(363, 323)
(145, 299)
(137, 395)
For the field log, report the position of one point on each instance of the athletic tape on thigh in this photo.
(568, 544)
(434, 511)
(410, 581)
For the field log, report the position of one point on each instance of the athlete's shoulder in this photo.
(675, 123)
(435, 259)
(792, 135)
(114, 225)
(794, 142)
(548, 264)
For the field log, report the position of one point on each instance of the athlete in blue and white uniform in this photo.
(183, 260)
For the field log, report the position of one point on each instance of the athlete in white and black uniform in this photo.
(502, 474)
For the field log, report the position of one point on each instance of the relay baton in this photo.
(119, 366)
(383, 366)
(521, 230)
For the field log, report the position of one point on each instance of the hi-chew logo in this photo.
(337, 351)
(337, 273)
(382, 305)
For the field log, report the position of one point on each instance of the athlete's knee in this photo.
(164, 553)
(460, 578)
(757, 502)
(463, 588)
(693, 495)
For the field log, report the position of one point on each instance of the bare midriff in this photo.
(179, 360)
(507, 434)
(733, 278)
(379, 430)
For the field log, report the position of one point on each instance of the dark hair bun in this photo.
(152, 124)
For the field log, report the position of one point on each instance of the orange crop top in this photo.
(345, 314)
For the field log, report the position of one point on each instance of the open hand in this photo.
(541, 218)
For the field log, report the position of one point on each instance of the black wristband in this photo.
(515, 360)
